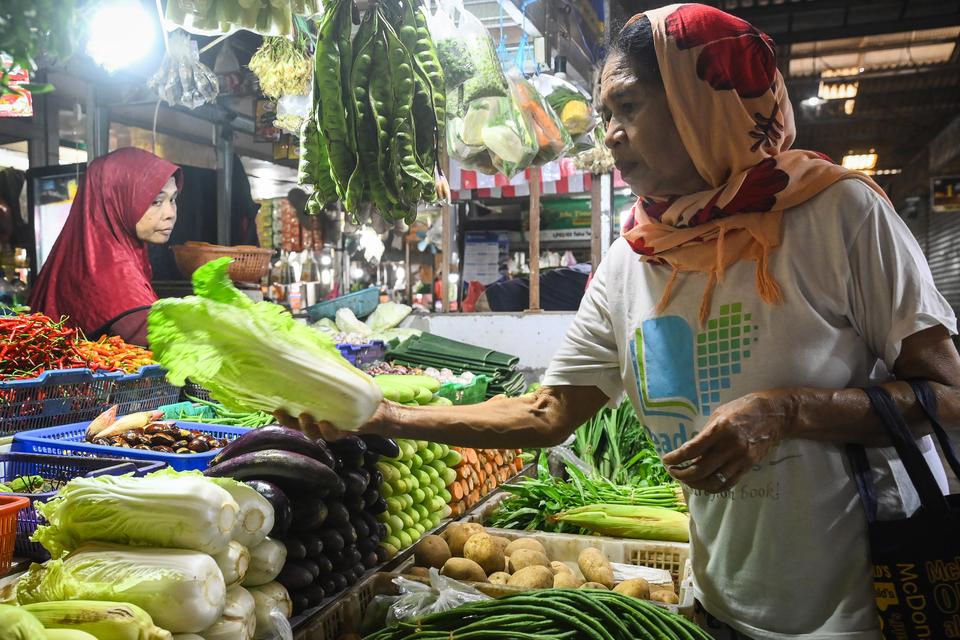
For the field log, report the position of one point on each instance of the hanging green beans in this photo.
(378, 110)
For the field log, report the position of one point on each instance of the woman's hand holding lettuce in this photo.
(256, 356)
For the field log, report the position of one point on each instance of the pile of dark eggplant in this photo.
(326, 497)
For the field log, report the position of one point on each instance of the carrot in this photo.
(518, 465)
(463, 472)
(546, 128)
(475, 496)
(488, 468)
(481, 477)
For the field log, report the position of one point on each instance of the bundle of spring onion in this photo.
(534, 503)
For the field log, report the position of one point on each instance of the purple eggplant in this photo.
(281, 467)
(386, 447)
(282, 514)
(275, 437)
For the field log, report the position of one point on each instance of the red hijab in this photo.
(99, 268)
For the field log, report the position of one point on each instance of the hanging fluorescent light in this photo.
(813, 101)
(849, 106)
(838, 90)
(121, 34)
(860, 161)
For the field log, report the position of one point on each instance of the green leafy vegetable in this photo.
(256, 356)
(18, 624)
(619, 448)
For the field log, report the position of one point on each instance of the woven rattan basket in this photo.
(250, 264)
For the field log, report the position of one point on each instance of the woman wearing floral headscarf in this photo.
(757, 289)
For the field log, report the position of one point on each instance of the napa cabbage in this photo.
(256, 356)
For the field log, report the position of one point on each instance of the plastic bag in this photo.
(552, 138)
(182, 79)
(570, 103)
(494, 136)
(291, 112)
(468, 57)
(418, 600)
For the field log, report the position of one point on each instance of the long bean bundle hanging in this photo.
(378, 111)
(550, 614)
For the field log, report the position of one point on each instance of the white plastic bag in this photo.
(182, 79)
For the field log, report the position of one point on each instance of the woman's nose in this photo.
(614, 136)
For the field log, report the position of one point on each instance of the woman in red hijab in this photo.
(98, 273)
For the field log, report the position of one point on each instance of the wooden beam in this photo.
(596, 211)
(534, 239)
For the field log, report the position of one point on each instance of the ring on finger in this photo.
(721, 477)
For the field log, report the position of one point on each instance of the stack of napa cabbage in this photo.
(174, 547)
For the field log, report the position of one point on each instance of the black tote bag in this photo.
(916, 560)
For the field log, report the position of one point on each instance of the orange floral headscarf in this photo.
(730, 106)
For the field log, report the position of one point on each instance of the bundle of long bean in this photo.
(225, 417)
(550, 614)
(533, 503)
(378, 111)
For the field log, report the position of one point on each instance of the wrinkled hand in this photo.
(321, 429)
(739, 435)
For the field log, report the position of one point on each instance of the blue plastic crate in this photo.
(59, 470)
(69, 440)
(144, 390)
(362, 303)
(54, 398)
(362, 355)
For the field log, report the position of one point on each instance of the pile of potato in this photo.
(467, 552)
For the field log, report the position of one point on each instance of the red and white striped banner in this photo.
(556, 178)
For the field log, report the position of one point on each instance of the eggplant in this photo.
(370, 559)
(274, 437)
(366, 545)
(386, 447)
(382, 555)
(275, 465)
(376, 478)
(332, 541)
(349, 534)
(361, 527)
(350, 446)
(328, 584)
(370, 497)
(354, 504)
(337, 514)
(382, 531)
(325, 565)
(282, 514)
(313, 544)
(296, 551)
(315, 594)
(310, 566)
(300, 602)
(294, 576)
(356, 481)
(353, 554)
(379, 506)
(339, 582)
(308, 515)
(370, 460)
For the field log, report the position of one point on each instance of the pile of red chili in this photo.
(32, 344)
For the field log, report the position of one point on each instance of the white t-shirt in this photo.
(784, 554)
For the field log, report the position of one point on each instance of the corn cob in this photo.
(629, 521)
(103, 620)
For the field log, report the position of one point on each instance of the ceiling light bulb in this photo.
(121, 34)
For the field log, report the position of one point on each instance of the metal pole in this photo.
(223, 140)
(596, 211)
(446, 230)
(534, 238)
(409, 268)
(98, 126)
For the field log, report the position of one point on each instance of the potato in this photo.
(431, 551)
(532, 577)
(635, 587)
(499, 577)
(566, 580)
(523, 558)
(595, 567)
(484, 551)
(669, 597)
(524, 543)
(463, 569)
(420, 572)
(560, 567)
(459, 536)
(501, 542)
(594, 585)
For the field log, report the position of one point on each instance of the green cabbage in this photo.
(256, 356)
(180, 511)
(388, 316)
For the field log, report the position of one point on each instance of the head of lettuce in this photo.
(256, 356)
